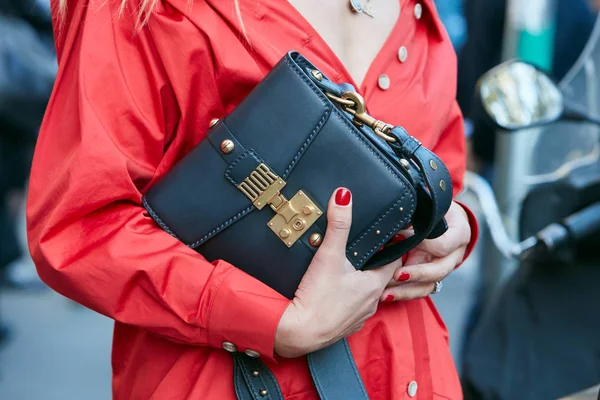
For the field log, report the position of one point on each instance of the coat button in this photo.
(383, 82)
(230, 347)
(412, 389)
(402, 54)
(252, 353)
(418, 11)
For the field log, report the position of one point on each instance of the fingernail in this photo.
(399, 237)
(388, 298)
(404, 258)
(342, 197)
(403, 277)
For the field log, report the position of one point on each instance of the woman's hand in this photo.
(334, 299)
(432, 260)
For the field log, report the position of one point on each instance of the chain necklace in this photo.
(366, 8)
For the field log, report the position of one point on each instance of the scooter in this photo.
(539, 338)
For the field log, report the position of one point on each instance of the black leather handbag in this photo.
(255, 193)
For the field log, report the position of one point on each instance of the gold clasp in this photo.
(355, 105)
(292, 217)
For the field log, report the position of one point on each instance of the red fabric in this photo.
(126, 107)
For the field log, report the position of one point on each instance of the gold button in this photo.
(213, 122)
(412, 389)
(383, 82)
(227, 146)
(402, 54)
(252, 353)
(418, 11)
(315, 239)
(230, 347)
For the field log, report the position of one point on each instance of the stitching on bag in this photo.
(393, 230)
(319, 124)
(237, 379)
(316, 379)
(237, 161)
(273, 380)
(221, 227)
(353, 364)
(156, 218)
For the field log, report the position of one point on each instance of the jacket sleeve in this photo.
(451, 148)
(101, 141)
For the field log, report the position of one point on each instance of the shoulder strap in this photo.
(333, 371)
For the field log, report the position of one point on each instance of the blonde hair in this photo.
(145, 10)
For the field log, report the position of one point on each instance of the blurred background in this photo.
(523, 313)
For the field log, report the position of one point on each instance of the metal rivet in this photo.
(377, 232)
(317, 74)
(280, 181)
(315, 239)
(418, 11)
(227, 146)
(443, 185)
(259, 204)
(319, 212)
(213, 122)
(255, 373)
(284, 233)
(402, 54)
(401, 209)
(270, 224)
(355, 254)
(405, 164)
(289, 243)
(433, 165)
(384, 82)
(263, 392)
(307, 210)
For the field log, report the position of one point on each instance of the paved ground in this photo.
(61, 351)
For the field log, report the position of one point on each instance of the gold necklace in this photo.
(366, 8)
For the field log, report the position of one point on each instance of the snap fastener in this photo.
(402, 54)
(230, 347)
(252, 353)
(412, 389)
(384, 82)
(418, 11)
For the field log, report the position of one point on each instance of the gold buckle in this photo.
(293, 217)
(354, 103)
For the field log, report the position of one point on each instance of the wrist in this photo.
(290, 336)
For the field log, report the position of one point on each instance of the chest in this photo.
(356, 38)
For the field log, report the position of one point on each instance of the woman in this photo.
(138, 84)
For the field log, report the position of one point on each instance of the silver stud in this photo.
(418, 11)
(230, 347)
(405, 164)
(384, 82)
(412, 389)
(252, 353)
(402, 54)
(433, 165)
(443, 185)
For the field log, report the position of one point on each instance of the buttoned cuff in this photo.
(244, 314)
(474, 231)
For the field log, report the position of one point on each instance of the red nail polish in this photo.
(389, 298)
(398, 237)
(342, 197)
(403, 277)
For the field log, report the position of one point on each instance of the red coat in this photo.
(126, 107)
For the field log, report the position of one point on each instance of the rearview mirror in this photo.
(517, 95)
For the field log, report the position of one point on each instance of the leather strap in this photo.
(333, 371)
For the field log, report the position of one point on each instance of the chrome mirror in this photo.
(517, 95)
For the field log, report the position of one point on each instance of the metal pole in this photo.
(528, 35)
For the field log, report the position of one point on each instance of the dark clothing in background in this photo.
(27, 71)
(483, 51)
